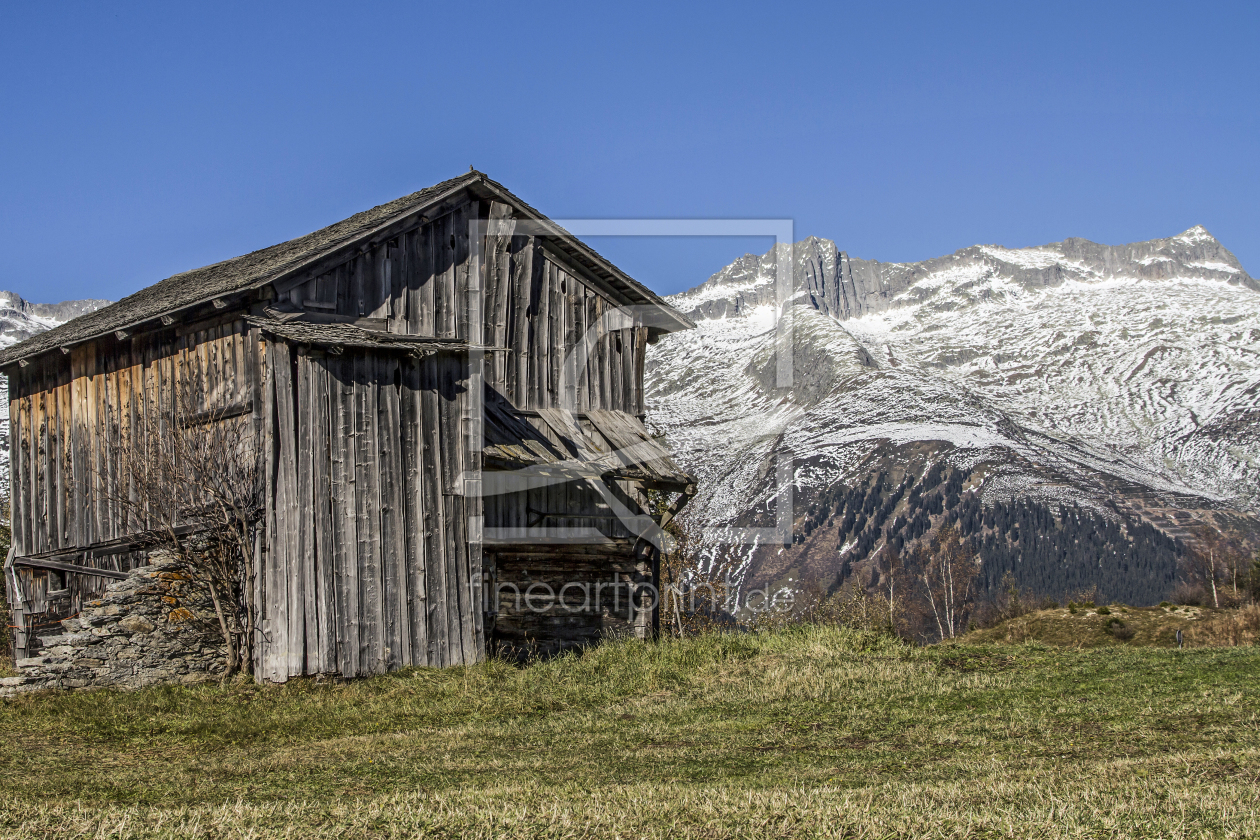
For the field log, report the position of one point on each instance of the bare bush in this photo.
(190, 480)
(695, 583)
(1227, 629)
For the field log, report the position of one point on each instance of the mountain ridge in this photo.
(1123, 378)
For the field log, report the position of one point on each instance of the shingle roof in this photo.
(202, 285)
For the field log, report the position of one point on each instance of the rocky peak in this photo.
(827, 279)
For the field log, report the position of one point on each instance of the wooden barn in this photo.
(446, 397)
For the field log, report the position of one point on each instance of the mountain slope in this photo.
(1122, 378)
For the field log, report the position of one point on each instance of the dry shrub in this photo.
(851, 607)
(1191, 595)
(1227, 629)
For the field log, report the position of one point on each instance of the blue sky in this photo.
(140, 140)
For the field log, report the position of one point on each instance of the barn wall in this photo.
(550, 599)
(72, 414)
(371, 565)
(528, 302)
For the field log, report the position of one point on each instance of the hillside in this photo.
(1111, 391)
(815, 732)
(1087, 626)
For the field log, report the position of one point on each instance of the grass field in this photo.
(811, 732)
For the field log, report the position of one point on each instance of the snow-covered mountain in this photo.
(1124, 378)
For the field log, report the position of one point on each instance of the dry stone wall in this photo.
(158, 625)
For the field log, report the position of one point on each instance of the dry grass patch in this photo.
(815, 732)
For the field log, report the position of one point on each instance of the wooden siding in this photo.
(531, 305)
(70, 413)
(370, 567)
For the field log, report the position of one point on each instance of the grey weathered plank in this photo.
(450, 422)
(414, 500)
(343, 448)
(541, 350)
(322, 521)
(432, 470)
(287, 512)
(522, 277)
(367, 502)
(275, 654)
(463, 266)
(305, 522)
(397, 630)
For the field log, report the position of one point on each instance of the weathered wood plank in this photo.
(414, 502)
(463, 266)
(367, 504)
(345, 514)
(303, 525)
(522, 268)
(396, 628)
(274, 651)
(322, 492)
(18, 468)
(287, 513)
(433, 470)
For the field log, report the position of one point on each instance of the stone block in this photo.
(10, 682)
(136, 624)
(33, 662)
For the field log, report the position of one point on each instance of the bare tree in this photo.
(947, 570)
(696, 586)
(890, 564)
(189, 480)
(1205, 561)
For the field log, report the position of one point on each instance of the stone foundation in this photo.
(156, 626)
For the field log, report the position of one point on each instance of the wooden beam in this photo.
(58, 566)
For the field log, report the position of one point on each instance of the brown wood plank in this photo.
(263, 442)
(18, 468)
(599, 360)
(78, 447)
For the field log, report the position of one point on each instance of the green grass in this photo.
(809, 732)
